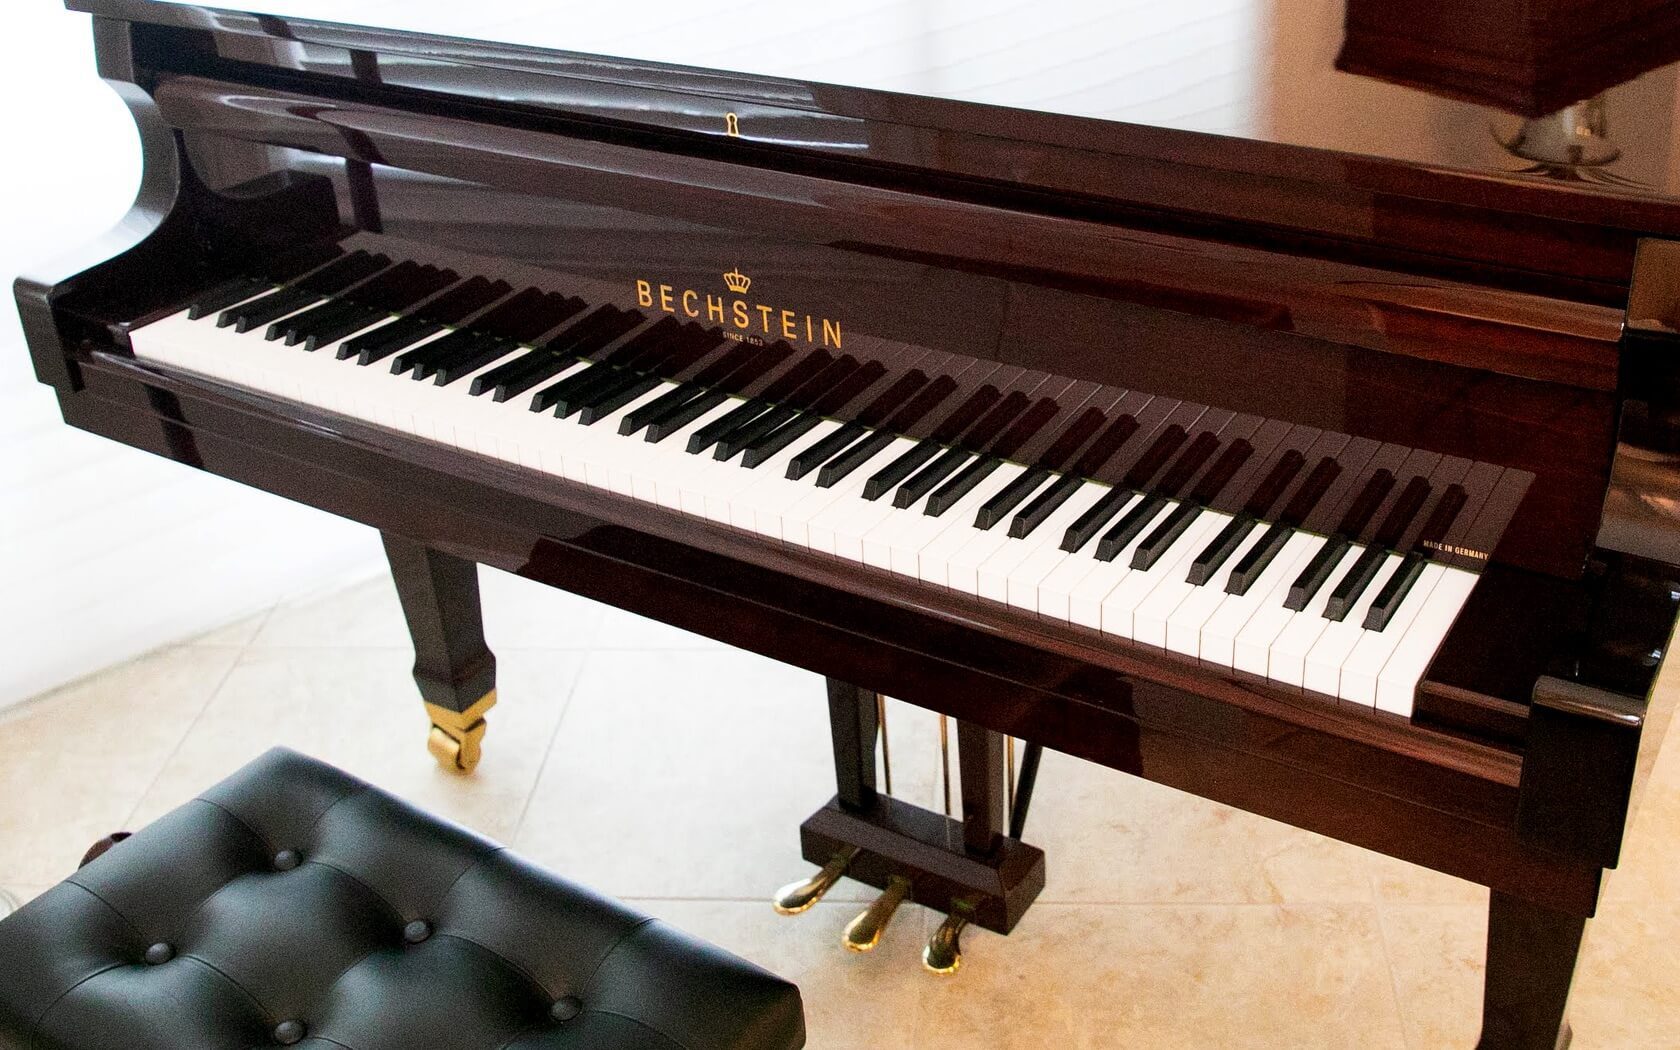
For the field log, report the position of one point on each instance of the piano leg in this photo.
(1530, 962)
(453, 667)
(854, 720)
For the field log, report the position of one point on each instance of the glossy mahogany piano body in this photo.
(1447, 311)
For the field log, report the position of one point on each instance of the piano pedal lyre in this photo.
(797, 897)
(457, 737)
(864, 932)
(943, 954)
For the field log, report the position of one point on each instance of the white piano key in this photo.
(1365, 663)
(1151, 613)
(1325, 659)
(1219, 635)
(1086, 601)
(1047, 553)
(1055, 592)
(1184, 626)
(824, 528)
(914, 534)
(1397, 685)
(1275, 643)
(1000, 575)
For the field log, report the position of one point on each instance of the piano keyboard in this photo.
(1302, 556)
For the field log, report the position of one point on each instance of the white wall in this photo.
(106, 552)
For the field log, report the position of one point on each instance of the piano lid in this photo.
(1259, 71)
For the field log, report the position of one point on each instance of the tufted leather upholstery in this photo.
(294, 905)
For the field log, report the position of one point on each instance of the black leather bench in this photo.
(294, 905)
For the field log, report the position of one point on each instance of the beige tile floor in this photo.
(674, 772)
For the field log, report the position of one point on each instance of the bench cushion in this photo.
(295, 905)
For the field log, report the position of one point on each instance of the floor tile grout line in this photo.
(1377, 909)
(181, 741)
(548, 752)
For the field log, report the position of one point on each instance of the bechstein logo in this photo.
(741, 319)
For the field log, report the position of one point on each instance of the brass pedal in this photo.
(943, 954)
(864, 932)
(799, 896)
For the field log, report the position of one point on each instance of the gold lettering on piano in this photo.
(1448, 548)
(742, 320)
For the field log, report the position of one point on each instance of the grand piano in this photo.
(1334, 486)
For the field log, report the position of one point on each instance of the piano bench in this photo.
(294, 905)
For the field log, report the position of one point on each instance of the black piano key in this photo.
(1009, 497)
(375, 346)
(1259, 557)
(588, 336)
(719, 428)
(1318, 570)
(1127, 528)
(1184, 468)
(1155, 457)
(1312, 490)
(895, 472)
(1441, 519)
(415, 359)
(270, 307)
(1220, 548)
(1044, 504)
(1104, 448)
(744, 436)
(926, 400)
(836, 469)
(948, 494)
(824, 450)
(226, 294)
(1276, 482)
(1352, 585)
(784, 436)
(890, 399)
(336, 276)
(1365, 505)
(1091, 522)
(1220, 474)
(598, 382)
(1164, 535)
(1401, 514)
(292, 328)
(464, 300)
(832, 398)
(1394, 592)
(492, 349)
(802, 372)
(527, 315)
(1030, 422)
(445, 310)
(402, 286)
(991, 426)
(569, 394)
(640, 386)
(1071, 440)
(929, 477)
(672, 408)
(342, 326)
(965, 415)
(690, 410)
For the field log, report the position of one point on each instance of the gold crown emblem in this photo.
(737, 281)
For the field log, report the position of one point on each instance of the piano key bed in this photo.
(1302, 557)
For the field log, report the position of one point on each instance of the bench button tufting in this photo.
(159, 953)
(566, 1008)
(286, 860)
(417, 931)
(288, 1032)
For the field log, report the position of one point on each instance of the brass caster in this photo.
(457, 737)
(799, 896)
(864, 932)
(943, 953)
